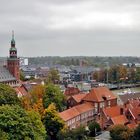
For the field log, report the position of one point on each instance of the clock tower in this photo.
(13, 60)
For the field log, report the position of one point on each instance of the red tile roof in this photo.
(20, 91)
(69, 114)
(75, 111)
(78, 98)
(134, 108)
(121, 119)
(99, 94)
(112, 111)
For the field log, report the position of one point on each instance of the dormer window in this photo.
(104, 98)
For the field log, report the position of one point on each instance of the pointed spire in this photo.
(12, 34)
(13, 40)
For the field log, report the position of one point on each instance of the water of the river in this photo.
(136, 89)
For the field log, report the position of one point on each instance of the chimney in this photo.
(121, 111)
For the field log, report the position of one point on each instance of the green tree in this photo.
(53, 76)
(136, 135)
(93, 128)
(52, 121)
(54, 95)
(8, 95)
(22, 77)
(121, 132)
(38, 127)
(132, 75)
(3, 135)
(16, 123)
(114, 73)
(74, 134)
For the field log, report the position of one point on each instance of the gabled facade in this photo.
(75, 100)
(101, 97)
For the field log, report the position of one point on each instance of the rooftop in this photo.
(75, 111)
(124, 98)
(99, 94)
(121, 119)
(5, 75)
(112, 111)
(78, 97)
(72, 91)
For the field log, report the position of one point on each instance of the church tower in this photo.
(13, 60)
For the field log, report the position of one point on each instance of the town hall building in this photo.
(9, 73)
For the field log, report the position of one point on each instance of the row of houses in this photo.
(84, 108)
(127, 114)
(100, 105)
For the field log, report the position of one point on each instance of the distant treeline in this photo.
(96, 61)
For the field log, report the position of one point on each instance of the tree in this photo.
(22, 76)
(34, 99)
(54, 95)
(52, 121)
(37, 98)
(122, 72)
(138, 74)
(53, 76)
(74, 134)
(8, 95)
(120, 132)
(136, 135)
(3, 135)
(93, 128)
(114, 73)
(17, 124)
(38, 127)
(132, 74)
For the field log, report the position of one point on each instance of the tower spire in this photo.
(12, 40)
(12, 34)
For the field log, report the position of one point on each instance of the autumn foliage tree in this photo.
(121, 132)
(122, 72)
(34, 100)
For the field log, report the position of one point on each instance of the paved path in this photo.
(104, 136)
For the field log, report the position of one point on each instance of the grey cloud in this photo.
(31, 20)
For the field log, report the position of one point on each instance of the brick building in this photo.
(9, 74)
(13, 60)
(75, 100)
(101, 97)
(127, 114)
(78, 115)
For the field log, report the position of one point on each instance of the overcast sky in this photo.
(71, 27)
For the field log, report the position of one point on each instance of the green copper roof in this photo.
(13, 49)
(12, 41)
